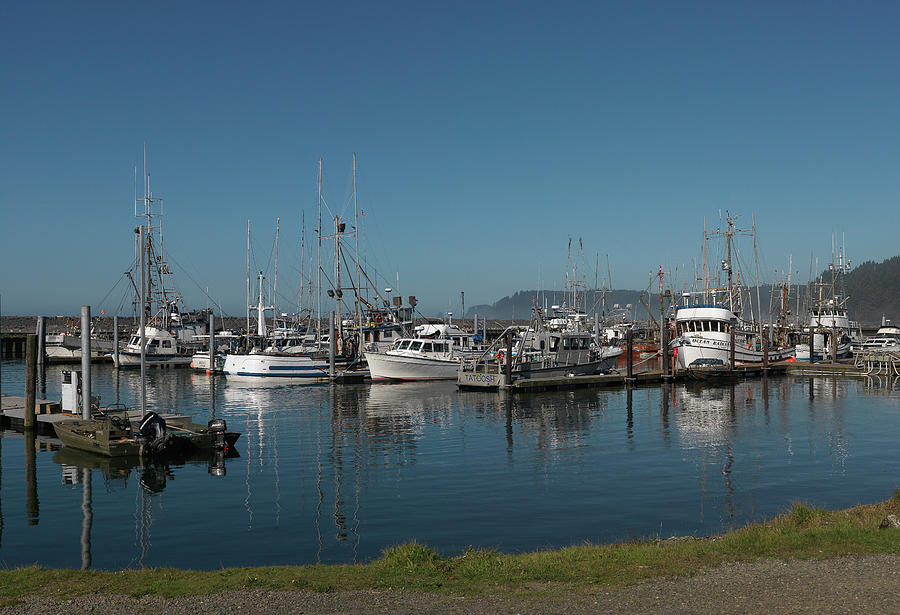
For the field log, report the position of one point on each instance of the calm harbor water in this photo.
(337, 473)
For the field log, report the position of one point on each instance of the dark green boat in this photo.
(111, 434)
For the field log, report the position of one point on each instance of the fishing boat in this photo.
(169, 331)
(65, 347)
(828, 317)
(710, 320)
(434, 354)
(111, 434)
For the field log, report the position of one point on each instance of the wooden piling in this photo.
(765, 349)
(30, 379)
(32, 504)
(509, 346)
(41, 339)
(731, 344)
(629, 348)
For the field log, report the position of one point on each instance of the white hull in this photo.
(718, 347)
(801, 351)
(200, 361)
(128, 359)
(391, 367)
(284, 368)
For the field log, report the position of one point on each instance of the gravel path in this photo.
(869, 585)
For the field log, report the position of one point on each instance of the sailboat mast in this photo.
(302, 240)
(248, 277)
(275, 286)
(356, 224)
(319, 254)
(337, 268)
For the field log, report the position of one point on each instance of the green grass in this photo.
(802, 532)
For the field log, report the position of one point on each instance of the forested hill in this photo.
(873, 288)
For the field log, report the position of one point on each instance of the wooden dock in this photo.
(656, 377)
(13, 415)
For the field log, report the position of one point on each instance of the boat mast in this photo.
(302, 283)
(248, 277)
(356, 226)
(728, 235)
(275, 287)
(337, 271)
(705, 280)
(319, 254)
(756, 263)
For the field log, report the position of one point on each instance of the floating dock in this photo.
(48, 412)
(495, 381)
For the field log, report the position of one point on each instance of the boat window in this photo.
(155, 343)
(427, 347)
(543, 344)
(387, 334)
(135, 340)
(403, 344)
(554, 344)
(415, 346)
(167, 344)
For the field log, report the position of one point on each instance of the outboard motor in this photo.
(153, 428)
(217, 429)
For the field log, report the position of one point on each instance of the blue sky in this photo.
(487, 134)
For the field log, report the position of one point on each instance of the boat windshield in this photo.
(414, 346)
(403, 344)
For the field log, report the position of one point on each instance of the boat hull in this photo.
(386, 367)
(282, 368)
(718, 348)
(130, 359)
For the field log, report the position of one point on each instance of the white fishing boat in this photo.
(66, 347)
(161, 350)
(709, 319)
(168, 335)
(833, 332)
(704, 338)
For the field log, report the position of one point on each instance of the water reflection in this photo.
(32, 504)
(336, 473)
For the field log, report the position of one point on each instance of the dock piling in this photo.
(30, 379)
(42, 336)
(731, 344)
(32, 504)
(332, 344)
(629, 349)
(212, 344)
(86, 362)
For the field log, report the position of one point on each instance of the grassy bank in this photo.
(802, 532)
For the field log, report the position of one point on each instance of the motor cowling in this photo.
(217, 429)
(152, 427)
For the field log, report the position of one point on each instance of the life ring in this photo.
(499, 356)
(378, 319)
